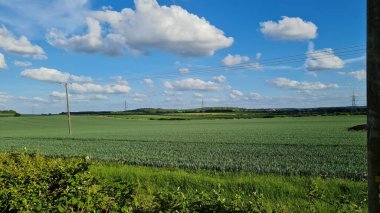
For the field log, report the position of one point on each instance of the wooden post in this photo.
(68, 109)
(373, 104)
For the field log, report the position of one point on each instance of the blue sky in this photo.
(173, 54)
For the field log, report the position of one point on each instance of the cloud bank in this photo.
(292, 84)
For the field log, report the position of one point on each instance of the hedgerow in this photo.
(33, 183)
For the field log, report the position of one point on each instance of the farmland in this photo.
(290, 160)
(308, 146)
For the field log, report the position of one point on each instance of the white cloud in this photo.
(34, 17)
(255, 96)
(233, 60)
(149, 82)
(39, 99)
(184, 71)
(80, 78)
(210, 100)
(120, 80)
(3, 64)
(254, 66)
(53, 75)
(174, 93)
(322, 59)
(198, 95)
(22, 63)
(192, 84)
(236, 94)
(258, 56)
(4, 97)
(97, 88)
(19, 46)
(220, 79)
(138, 95)
(171, 29)
(292, 84)
(360, 74)
(108, 7)
(46, 74)
(356, 59)
(58, 96)
(92, 42)
(289, 28)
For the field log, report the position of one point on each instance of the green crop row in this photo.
(312, 146)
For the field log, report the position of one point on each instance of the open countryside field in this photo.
(295, 164)
(306, 146)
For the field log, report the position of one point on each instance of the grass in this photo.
(290, 192)
(306, 146)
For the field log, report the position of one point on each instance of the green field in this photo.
(316, 146)
(282, 158)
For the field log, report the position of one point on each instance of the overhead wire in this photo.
(257, 65)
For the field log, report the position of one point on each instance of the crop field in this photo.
(305, 146)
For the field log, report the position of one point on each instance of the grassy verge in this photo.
(280, 193)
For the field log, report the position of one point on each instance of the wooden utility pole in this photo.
(373, 104)
(68, 109)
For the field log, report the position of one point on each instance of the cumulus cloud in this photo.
(92, 42)
(184, 71)
(233, 60)
(80, 78)
(149, 82)
(59, 96)
(46, 74)
(19, 46)
(323, 59)
(53, 75)
(360, 74)
(236, 94)
(171, 29)
(289, 28)
(22, 63)
(97, 88)
(3, 64)
(192, 84)
(220, 79)
(292, 84)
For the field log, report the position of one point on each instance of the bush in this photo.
(33, 183)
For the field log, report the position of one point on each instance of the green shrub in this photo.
(33, 183)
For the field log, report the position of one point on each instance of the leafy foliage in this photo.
(32, 183)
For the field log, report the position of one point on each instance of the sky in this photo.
(180, 53)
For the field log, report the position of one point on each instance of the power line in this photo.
(341, 52)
